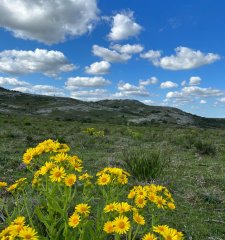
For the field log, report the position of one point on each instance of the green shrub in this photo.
(186, 140)
(144, 164)
(205, 147)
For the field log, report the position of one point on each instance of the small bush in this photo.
(144, 164)
(205, 147)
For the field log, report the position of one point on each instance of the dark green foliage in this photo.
(144, 164)
(205, 147)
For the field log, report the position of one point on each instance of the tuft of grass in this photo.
(205, 147)
(144, 164)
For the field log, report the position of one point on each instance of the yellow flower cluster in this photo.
(18, 229)
(60, 167)
(156, 194)
(121, 224)
(168, 233)
(80, 210)
(44, 147)
(94, 132)
(112, 175)
(57, 172)
(119, 207)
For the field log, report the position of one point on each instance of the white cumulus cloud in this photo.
(89, 95)
(184, 58)
(50, 63)
(124, 27)
(222, 100)
(98, 68)
(128, 48)
(41, 89)
(4, 81)
(127, 89)
(151, 55)
(48, 21)
(80, 82)
(150, 81)
(203, 101)
(195, 80)
(190, 92)
(110, 55)
(168, 84)
(148, 102)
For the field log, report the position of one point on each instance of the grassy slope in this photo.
(197, 181)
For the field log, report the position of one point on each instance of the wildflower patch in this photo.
(63, 201)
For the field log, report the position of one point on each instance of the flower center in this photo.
(121, 225)
(58, 174)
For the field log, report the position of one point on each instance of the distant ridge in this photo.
(112, 111)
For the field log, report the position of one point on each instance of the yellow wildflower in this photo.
(60, 157)
(149, 236)
(140, 191)
(43, 170)
(110, 207)
(85, 176)
(12, 187)
(122, 179)
(28, 233)
(104, 179)
(172, 234)
(3, 184)
(152, 197)
(160, 202)
(121, 224)
(131, 194)
(83, 208)
(160, 229)
(63, 148)
(15, 229)
(28, 155)
(74, 220)
(171, 205)
(57, 174)
(139, 219)
(140, 202)
(19, 220)
(123, 207)
(108, 227)
(4, 233)
(70, 180)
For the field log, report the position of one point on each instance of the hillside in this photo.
(112, 111)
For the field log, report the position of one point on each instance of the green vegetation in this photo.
(144, 164)
(194, 172)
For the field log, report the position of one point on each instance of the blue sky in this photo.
(168, 53)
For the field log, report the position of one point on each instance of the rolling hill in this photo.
(113, 111)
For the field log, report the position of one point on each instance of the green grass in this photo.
(196, 180)
(144, 164)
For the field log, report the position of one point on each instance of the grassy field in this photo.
(194, 170)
